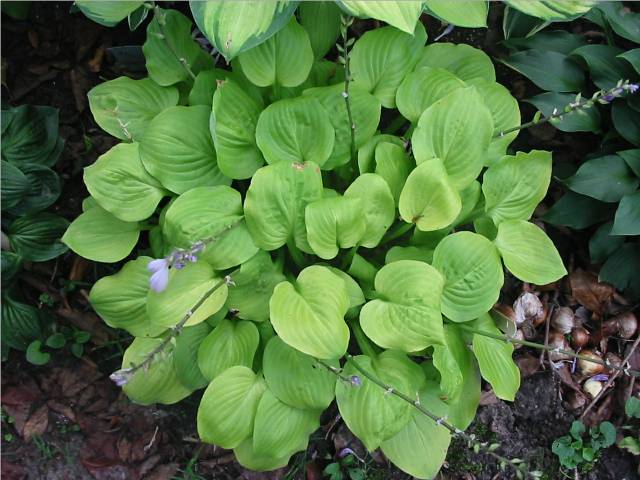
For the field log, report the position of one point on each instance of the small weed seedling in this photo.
(582, 450)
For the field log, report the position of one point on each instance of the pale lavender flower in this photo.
(355, 380)
(157, 264)
(601, 377)
(159, 280)
(121, 377)
(633, 87)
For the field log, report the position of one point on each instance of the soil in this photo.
(68, 421)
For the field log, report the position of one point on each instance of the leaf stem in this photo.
(397, 232)
(361, 339)
(296, 255)
(345, 58)
(570, 353)
(471, 440)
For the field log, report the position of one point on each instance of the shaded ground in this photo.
(66, 420)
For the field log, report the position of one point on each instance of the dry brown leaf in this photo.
(37, 423)
(590, 293)
(528, 365)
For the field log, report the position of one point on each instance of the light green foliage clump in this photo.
(323, 231)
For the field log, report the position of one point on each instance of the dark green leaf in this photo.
(577, 211)
(602, 243)
(21, 323)
(137, 17)
(15, 185)
(321, 20)
(609, 433)
(57, 340)
(17, 10)
(31, 136)
(37, 237)
(627, 121)
(81, 336)
(632, 157)
(605, 178)
(577, 429)
(518, 24)
(556, 41)
(622, 19)
(621, 270)
(11, 263)
(627, 220)
(632, 407)
(35, 355)
(583, 120)
(536, 65)
(77, 349)
(605, 68)
(44, 191)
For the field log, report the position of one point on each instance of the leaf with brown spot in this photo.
(590, 293)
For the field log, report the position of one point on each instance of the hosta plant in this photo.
(298, 252)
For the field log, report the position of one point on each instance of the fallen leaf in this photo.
(37, 423)
(17, 401)
(528, 365)
(9, 471)
(163, 472)
(590, 293)
(487, 397)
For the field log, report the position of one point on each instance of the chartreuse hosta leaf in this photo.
(365, 111)
(228, 407)
(528, 253)
(157, 383)
(108, 12)
(309, 315)
(465, 13)
(248, 458)
(472, 271)
(381, 58)
(185, 288)
(123, 107)
(98, 235)
(420, 448)
(334, 223)
(295, 130)
(233, 125)
(321, 20)
(472, 206)
(469, 64)
(378, 206)
(275, 203)
(515, 185)
(356, 296)
(169, 50)
(233, 27)
(121, 299)
(448, 359)
(369, 412)
(210, 212)
(552, 9)
(177, 149)
(185, 355)
(505, 113)
(366, 153)
(406, 313)
(280, 429)
(422, 88)
(296, 378)
(494, 357)
(285, 59)
(231, 343)
(429, 199)
(457, 129)
(254, 285)
(121, 185)
(394, 165)
(205, 85)
(402, 15)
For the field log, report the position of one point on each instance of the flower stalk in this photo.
(160, 17)
(344, 59)
(601, 96)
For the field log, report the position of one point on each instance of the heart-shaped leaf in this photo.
(108, 13)
(472, 271)
(228, 407)
(369, 412)
(469, 64)
(334, 223)
(296, 378)
(295, 130)
(186, 287)
(228, 345)
(15, 185)
(185, 355)
(429, 199)
(514, 186)
(321, 20)
(528, 253)
(213, 215)
(457, 129)
(121, 185)
(123, 107)
(121, 299)
(381, 58)
(177, 149)
(276, 201)
(158, 381)
(233, 125)
(309, 315)
(465, 13)
(402, 15)
(44, 190)
(37, 237)
(285, 59)
(406, 313)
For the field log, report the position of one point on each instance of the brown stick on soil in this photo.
(613, 376)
